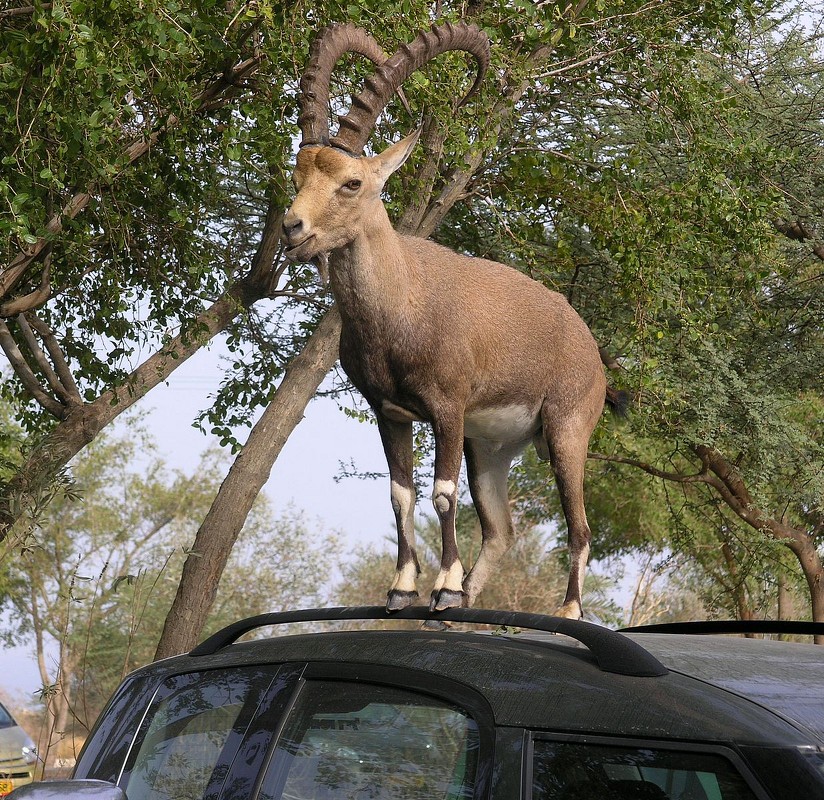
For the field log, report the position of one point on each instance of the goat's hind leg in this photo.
(397, 444)
(568, 439)
(487, 468)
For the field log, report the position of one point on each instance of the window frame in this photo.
(441, 689)
(726, 751)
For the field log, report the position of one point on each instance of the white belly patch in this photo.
(513, 423)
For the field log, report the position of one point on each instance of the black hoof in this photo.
(435, 625)
(396, 599)
(448, 598)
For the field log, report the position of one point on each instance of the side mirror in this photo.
(68, 790)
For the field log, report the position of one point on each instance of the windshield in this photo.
(6, 720)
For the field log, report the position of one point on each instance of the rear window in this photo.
(567, 771)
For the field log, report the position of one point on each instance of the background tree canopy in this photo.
(658, 163)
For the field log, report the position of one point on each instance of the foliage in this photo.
(98, 583)
(658, 192)
(662, 167)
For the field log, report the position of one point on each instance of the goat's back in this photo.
(511, 327)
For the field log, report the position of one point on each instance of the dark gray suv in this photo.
(540, 708)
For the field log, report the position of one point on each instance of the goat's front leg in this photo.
(448, 591)
(397, 444)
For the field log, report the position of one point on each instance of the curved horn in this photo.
(356, 126)
(326, 49)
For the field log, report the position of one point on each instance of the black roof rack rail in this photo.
(612, 651)
(719, 626)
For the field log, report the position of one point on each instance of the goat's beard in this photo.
(321, 261)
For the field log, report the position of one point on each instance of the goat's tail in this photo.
(618, 401)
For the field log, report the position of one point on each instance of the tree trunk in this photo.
(738, 588)
(808, 557)
(250, 471)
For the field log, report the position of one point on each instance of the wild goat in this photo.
(490, 358)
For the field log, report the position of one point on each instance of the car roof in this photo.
(787, 677)
(550, 682)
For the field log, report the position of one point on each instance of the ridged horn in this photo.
(387, 78)
(324, 53)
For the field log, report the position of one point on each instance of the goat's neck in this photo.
(372, 274)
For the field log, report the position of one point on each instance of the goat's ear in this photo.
(394, 156)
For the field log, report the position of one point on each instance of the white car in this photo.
(18, 754)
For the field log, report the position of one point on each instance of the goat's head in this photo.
(337, 188)
(335, 193)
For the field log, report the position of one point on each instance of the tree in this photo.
(623, 158)
(661, 208)
(97, 584)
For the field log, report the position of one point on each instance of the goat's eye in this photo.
(353, 185)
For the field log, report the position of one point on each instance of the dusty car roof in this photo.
(785, 677)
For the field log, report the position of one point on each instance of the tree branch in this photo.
(27, 302)
(58, 359)
(454, 188)
(21, 11)
(26, 376)
(722, 476)
(798, 232)
(42, 362)
(675, 477)
(432, 142)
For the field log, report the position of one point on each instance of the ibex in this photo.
(490, 358)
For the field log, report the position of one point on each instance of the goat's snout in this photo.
(292, 226)
(298, 237)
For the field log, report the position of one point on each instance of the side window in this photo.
(362, 741)
(191, 732)
(566, 771)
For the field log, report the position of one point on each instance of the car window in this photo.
(6, 720)
(363, 741)
(567, 771)
(191, 732)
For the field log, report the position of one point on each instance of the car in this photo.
(18, 754)
(538, 708)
